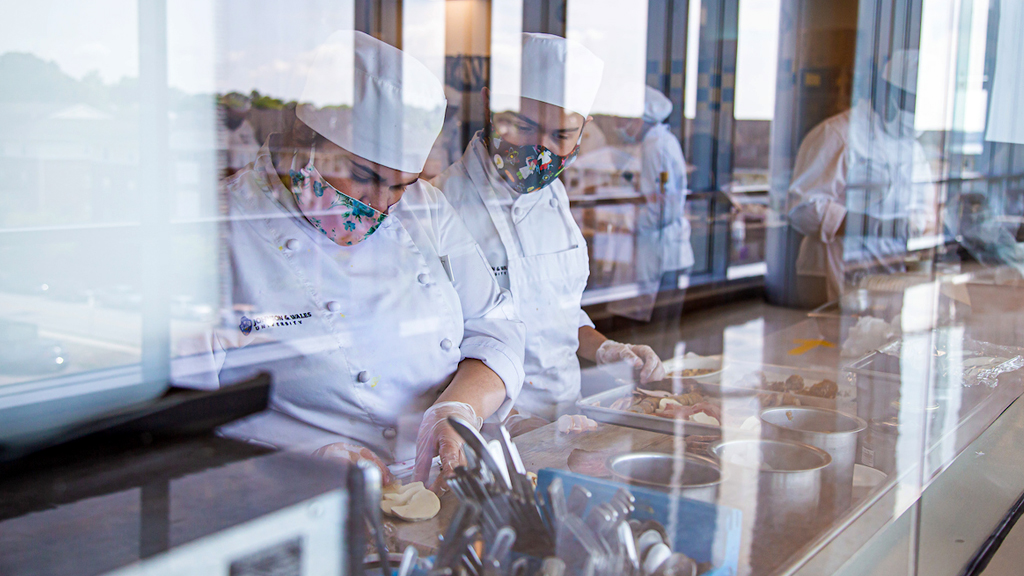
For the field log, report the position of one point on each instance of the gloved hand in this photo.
(575, 423)
(437, 438)
(354, 453)
(643, 358)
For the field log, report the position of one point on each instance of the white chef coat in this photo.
(662, 230)
(359, 339)
(535, 249)
(664, 220)
(851, 163)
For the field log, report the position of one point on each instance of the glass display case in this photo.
(857, 165)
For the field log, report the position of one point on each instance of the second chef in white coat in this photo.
(507, 190)
(355, 283)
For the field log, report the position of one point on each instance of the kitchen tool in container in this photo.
(372, 484)
(706, 533)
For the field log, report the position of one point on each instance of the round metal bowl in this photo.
(770, 456)
(807, 421)
(690, 476)
(788, 479)
(829, 430)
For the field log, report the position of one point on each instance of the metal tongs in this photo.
(372, 485)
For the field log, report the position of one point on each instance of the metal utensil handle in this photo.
(475, 441)
(579, 497)
(514, 460)
(372, 479)
(409, 558)
(502, 544)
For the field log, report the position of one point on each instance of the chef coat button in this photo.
(292, 244)
(363, 376)
(446, 344)
(423, 278)
(390, 433)
(553, 203)
(333, 306)
(517, 211)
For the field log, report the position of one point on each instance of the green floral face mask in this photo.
(340, 217)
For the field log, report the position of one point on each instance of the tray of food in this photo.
(784, 385)
(702, 407)
(655, 409)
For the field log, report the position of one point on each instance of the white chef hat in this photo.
(657, 106)
(560, 72)
(373, 100)
(901, 70)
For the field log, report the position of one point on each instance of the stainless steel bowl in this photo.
(788, 478)
(688, 476)
(831, 431)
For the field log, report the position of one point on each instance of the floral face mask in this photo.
(340, 217)
(527, 168)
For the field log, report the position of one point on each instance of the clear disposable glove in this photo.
(354, 453)
(643, 358)
(575, 423)
(437, 438)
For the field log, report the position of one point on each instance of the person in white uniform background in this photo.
(861, 179)
(663, 250)
(362, 291)
(507, 190)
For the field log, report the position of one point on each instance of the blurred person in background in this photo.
(861, 181)
(506, 188)
(238, 136)
(663, 250)
(362, 292)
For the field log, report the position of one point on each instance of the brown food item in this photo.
(645, 407)
(774, 386)
(824, 389)
(588, 463)
(789, 400)
(691, 372)
(775, 399)
(794, 383)
(690, 385)
(689, 399)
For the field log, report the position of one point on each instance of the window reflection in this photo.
(858, 163)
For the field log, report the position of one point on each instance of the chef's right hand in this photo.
(436, 437)
(642, 357)
(353, 453)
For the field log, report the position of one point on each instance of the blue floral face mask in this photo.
(527, 168)
(340, 217)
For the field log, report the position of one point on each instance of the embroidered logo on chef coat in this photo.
(258, 323)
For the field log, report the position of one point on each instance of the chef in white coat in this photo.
(861, 181)
(356, 284)
(663, 250)
(507, 190)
